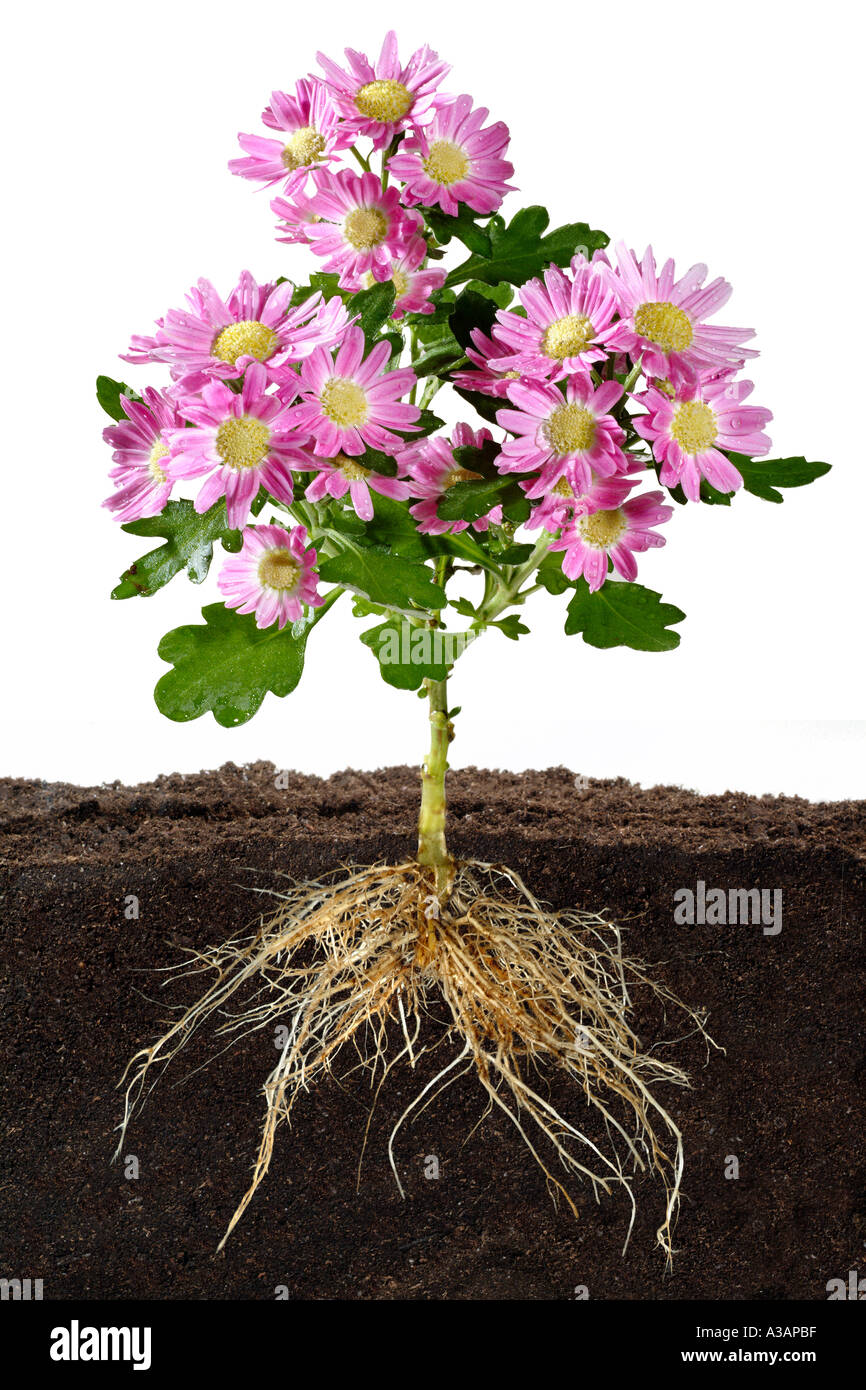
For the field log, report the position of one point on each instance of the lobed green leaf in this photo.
(108, 394)
(404, 652)
(189, 544)
(622, 614)
(383, 578)
(373, 307)
(228, 666)
(763, 477)
(520, 251)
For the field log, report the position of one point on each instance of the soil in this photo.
(785, 1100)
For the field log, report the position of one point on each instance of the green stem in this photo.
(432, 846)
(364, 163)
(386, 155)
(433, 385)
(330, 599)
(505, 593)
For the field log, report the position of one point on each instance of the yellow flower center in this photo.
(351, 469)
(563, 489)
(365, 227)
(570, 429)
(665, 325)
(306, 146)
(694, 426)
(344, 401)
(249, 338)
(601, 529)
(278, 569)
(399, 279)
(458, 475)
(242, 441)
(567, 337)
(157, 472)
(383, 100)
(446, 163)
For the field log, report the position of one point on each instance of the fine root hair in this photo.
(347, 962)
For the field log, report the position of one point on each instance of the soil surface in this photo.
(784, 1103)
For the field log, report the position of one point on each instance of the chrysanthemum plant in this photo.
(302, 416)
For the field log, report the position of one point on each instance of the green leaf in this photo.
(469, 500)
(408, 655)
(383, 578)
(464, 226)
(395, 342)
(549, 573)
(620, 614)
(374, 307)
(762, 477)
(516, 506)
(439, 356)
(479, 459)
(709, 494)
(515, 554)
(486, 406)
(394, 530)
(463, 607)
(108, 394)
(520, 251)
(511, 626)
(324, 281)
(472, 310)
(189, 543)
(501, 294)
(426, 324)
(427, 423)
(228, 666)
(391, 528)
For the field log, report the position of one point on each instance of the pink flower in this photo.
(562, 504)
(413, 286)
(140, 478)
(562, 437)
(311, 134)
(273, 576)
(348, 402)
(688, 431)
(241, 441)
(663, 321)
(352, 222)
(617, 533)
(216, 338)
(490, 377)
(433, 469)
(296, 218)
(455, 160)
(383, 98)
(340, 475)
(567, 322)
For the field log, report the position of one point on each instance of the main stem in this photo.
(432, 847)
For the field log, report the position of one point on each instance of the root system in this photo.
(344, 962)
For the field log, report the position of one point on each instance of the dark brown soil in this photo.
(787, 1098)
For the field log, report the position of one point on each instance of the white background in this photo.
(731, 135)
